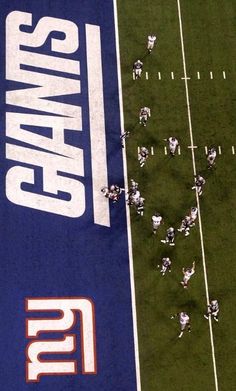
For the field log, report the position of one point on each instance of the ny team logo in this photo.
(71, 310)
(48, 173)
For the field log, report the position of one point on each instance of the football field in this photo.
(189, 83)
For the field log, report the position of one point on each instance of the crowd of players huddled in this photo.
(135, 199)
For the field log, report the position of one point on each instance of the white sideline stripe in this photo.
(152, 151)
(131, 264)
(146, 75)
(165, 149)
(211, 75)
(233, 150)
(179, 151)
(172, 75)
(219, 149)
(159, 75)
(224, 75)
(198, 75)
(97, 125)
(197, 197)
(206, 150)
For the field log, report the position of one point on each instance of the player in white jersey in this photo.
(137, 69)
(193, 215)
(184, 321)
(213, 310)
(142, 156)
(211, 156)
(156, 222)
(199, 183)
(144, 114)
(188, 272)
(150, 42)
(185, 225)
(173, 144)
(170, 237)
(166, 265)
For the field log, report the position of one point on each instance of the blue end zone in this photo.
(48, 255)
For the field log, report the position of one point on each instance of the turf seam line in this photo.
(197, 197)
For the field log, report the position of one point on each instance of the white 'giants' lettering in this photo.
(49, 175)
(68, 307)
(61, 157)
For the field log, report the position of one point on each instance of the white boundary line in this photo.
(197, 197)
(131, 265)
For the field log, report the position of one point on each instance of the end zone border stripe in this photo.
(131, 265)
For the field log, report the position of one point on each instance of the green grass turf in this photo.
(209, 36)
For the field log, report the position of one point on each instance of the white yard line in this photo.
(197, 198)
(146, 75)
(152, 151)
(233, 150)
(206, 150)
(131, 263)
(165, 150)
(219, 149)
(211, 75)
(224, 75)
(198, 75)
(159, 75)
(172, 75)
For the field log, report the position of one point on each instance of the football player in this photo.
(142, 156)
(156, 222)
(123, 136)
(173, 144)
(199, 183)
(150, 42)
(140, 206)
(137, 69)
(184, 321)
(170, 237)
(211, 156)
(185, 225)
(188, 272)
(144, 114)
(193, 216)
(166, 265)
(212, 310)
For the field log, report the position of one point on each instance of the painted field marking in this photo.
(197, 197)
(233, 150)
(179, 151)
(206, 150)
(97, 124)
(219, 149)
(159, 75)
(224, 75)
(133, 76)
(138, 149)
(152, 151)
(198, 75)
(165, 150)
(186, 78)
(192, 146)
(146, 75)
(172, 75)
(131, 261)
(211, 75)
